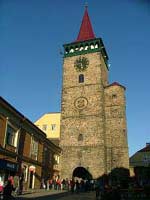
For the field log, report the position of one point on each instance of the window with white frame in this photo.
(24, 172)
(11, 135)
(34, 148)
(56, 158)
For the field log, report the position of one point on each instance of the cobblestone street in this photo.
(58, 195)
(81, 196)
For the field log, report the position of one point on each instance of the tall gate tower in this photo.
(93, 117)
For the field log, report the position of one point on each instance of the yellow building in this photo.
(50, 124)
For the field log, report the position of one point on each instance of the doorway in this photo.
(31, 180)
(82, 173)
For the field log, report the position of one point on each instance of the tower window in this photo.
(114, 97)
(66, 50)
(92, 46)
(80, 137)
(71, 50)
(81, 48)
(86, 47)
(81, 78)
(96, 45)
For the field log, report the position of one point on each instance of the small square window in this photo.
(114, 96)
(44, 128)
(53, 127)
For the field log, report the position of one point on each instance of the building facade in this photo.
(49, 123)
(25, 152)
(93, 116)
(140, 165)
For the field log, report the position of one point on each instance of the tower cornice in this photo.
(84, 47)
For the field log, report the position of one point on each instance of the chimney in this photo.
(148, 144)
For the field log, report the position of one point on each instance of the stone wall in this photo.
(116, 129)
(93, 121)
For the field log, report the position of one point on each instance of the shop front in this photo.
(7, 168)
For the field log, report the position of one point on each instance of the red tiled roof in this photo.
(86, 31)
(116, 84)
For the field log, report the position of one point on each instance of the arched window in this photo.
(81, 78)
(92, 46)
(96, 45)
(67, 50)
(114, 98)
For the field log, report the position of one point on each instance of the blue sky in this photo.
(32, 33)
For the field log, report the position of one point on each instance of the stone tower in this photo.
(93, 120)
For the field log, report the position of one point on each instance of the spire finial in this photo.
(86, 31)
(86, 5)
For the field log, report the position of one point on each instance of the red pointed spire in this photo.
(86, 31)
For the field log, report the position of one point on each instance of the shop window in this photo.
(34, 148)
(11, 135)
(2, 178)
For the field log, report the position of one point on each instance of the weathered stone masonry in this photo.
(93, 118)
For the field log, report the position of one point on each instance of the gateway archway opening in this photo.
(83, 173)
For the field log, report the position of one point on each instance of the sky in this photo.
(32, 34)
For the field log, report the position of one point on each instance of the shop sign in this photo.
(4, 164)
(11, 166)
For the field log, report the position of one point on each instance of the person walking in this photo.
(77, 186)
(7, 193)
(72, 185)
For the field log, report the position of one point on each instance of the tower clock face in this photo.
(81, 64)
(81, 103)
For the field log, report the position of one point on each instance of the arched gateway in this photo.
(81, 172)
(93, 120)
